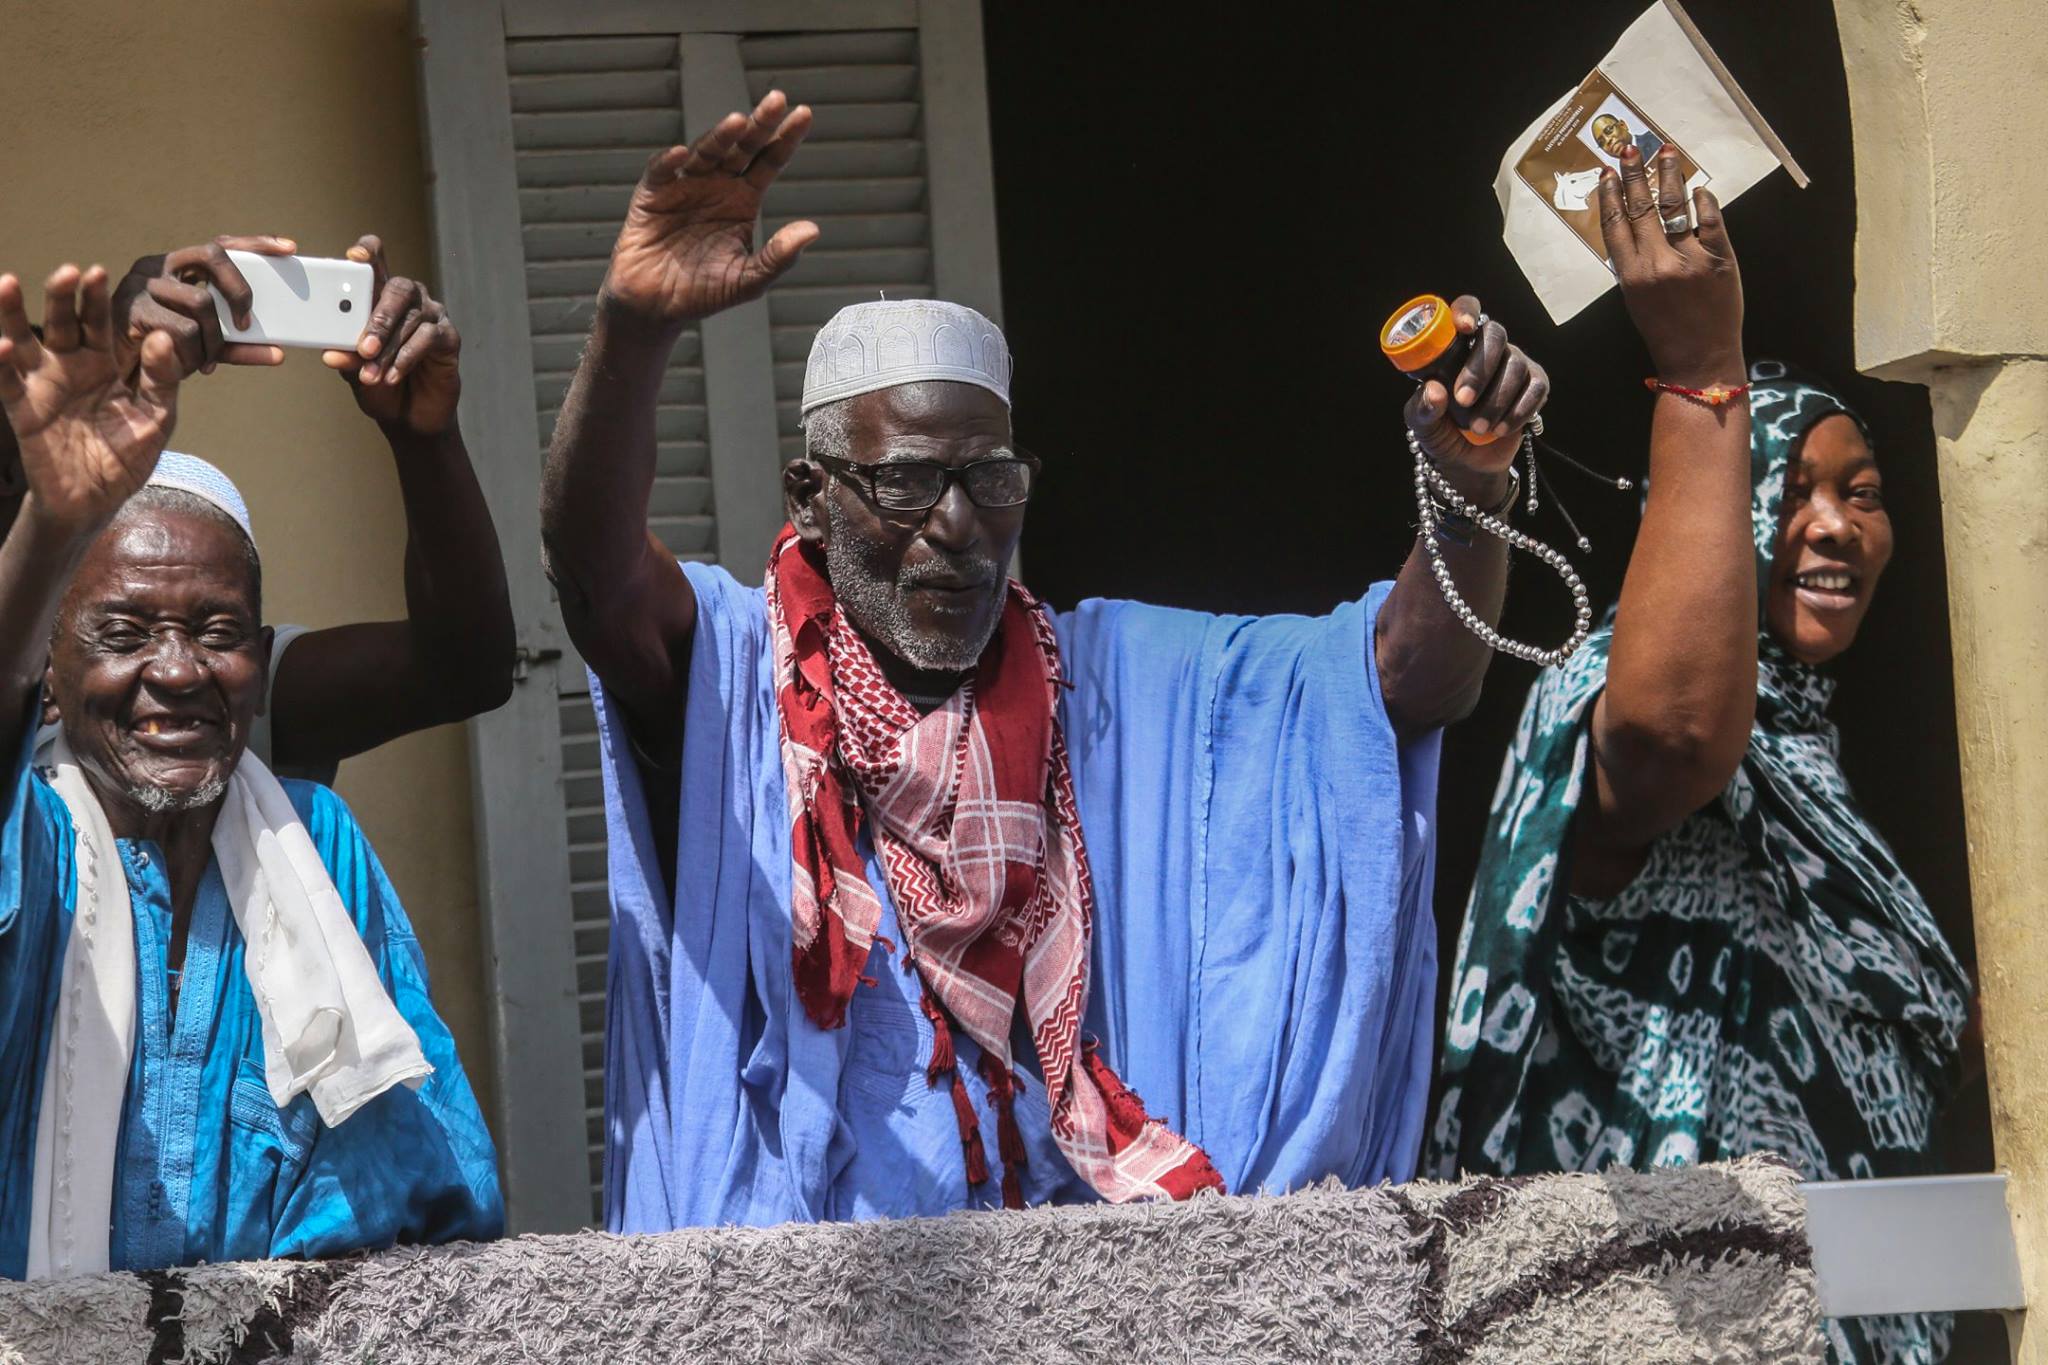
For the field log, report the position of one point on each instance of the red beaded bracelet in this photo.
(1714, 395)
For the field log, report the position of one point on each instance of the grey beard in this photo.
(875, 604)
(158, 801)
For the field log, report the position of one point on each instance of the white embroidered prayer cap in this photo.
(878, 345)
(190, 474)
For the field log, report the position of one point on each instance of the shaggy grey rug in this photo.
(1708, 1264)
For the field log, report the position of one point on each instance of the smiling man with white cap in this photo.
(348, 688)
(918, 885)
(216, 1040)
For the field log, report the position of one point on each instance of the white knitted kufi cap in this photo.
(190, 474)
(869, 346)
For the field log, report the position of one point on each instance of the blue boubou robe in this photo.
(209, 1168)
(1264, 958)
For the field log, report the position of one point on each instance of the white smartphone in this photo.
(306, 301)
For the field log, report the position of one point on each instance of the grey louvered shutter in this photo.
(586, 114)
(861, 178)
(540, 115)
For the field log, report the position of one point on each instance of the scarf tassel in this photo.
(944, 1063)
(942, 1039)
(970, 1132)
(1002, 1086)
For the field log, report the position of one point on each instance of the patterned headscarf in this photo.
(1783, 407)
(1858, 928)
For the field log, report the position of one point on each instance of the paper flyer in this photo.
(1659, 84)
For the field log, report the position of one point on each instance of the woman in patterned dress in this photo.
(1685, 941)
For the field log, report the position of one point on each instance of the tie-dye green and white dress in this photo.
(1770, 981)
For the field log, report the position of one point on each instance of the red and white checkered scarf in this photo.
(972, 811)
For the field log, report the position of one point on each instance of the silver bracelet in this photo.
(1432, 491)
(1445, 512)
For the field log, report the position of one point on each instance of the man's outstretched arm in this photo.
(1431, 666)
(624, 598)
(686, 251)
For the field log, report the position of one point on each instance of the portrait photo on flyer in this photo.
(1562, 164)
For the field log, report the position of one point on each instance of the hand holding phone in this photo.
(310, 302)
(405, 371)
(167, 292)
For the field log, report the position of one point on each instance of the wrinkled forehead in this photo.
(168, 562)
(936, 409)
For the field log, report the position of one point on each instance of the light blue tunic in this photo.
(1264, 958)
(209, 1169)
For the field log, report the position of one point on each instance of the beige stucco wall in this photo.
(1952, 292)
(1951, 128)
(1991, 424)
(137, 127)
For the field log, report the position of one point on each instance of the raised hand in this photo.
(168, 293)
(88, 438)
(1681, 286)
(1498, 389)
(405, 369)
(687, 248)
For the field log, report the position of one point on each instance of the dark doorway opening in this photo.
(1207, 210)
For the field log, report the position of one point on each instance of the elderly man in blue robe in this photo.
(216, 1040)
(919, 886)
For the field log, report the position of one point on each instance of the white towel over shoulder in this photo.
(329, 1027)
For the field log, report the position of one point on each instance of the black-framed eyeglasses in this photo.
(917, 485)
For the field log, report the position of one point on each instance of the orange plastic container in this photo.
(1422, 341)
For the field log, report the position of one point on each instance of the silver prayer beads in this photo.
(1431, 488)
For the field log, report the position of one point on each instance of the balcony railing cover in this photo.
(1710, 1263)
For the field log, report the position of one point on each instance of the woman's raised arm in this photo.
(1672, 725)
